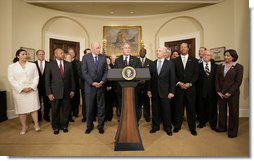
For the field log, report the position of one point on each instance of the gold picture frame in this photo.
(30, 54)
(115, 36)
(218, 53)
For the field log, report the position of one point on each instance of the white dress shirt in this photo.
(209, 65)
(162, 61)
(184, 59)
(58, 63)
(43, 64)
(128, 58)
(142, 60)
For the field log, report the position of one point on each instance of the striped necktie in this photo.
(207, 71)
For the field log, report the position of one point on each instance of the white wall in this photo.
(6, 52)
(64, 29)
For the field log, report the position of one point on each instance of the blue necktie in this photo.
(159, 66)
(96, 60)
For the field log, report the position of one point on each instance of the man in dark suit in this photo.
(122, 61)
(201, 52)
(75, 101)
(41, 65)
(161, 88)
(82, 88)
(186, 69)
(207, 96)
(94, 70)
(143, 99)
(60, 87)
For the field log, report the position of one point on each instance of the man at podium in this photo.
(122, 61)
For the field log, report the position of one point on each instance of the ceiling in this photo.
(122, 7)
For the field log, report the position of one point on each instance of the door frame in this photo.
(52, 35)
(192, 35)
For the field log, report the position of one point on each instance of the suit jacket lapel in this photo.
(181, 63)
(131, 61)
(229, 71)
(146, 63)
(99, 60)
(187, 63)
(92, 61)
(212, 68)
(163, 66)
(36, 63)
(45, 67)
(57, 68)
(121, 63)
(64, 62)
(155, 67)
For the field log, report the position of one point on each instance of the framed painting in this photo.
(30, 53)
(218, 53)
(115, 36)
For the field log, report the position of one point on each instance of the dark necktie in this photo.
(126, 61)
(96, 60)
(61, 69)
(207, 71)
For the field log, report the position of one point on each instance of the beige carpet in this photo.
(77, 143)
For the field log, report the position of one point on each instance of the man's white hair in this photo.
(163, 49)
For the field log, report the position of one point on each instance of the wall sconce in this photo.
(104, 43)
(142, 44)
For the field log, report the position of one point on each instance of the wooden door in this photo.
(175, 45)
(65, 45)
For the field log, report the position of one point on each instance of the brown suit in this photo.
(229, 84)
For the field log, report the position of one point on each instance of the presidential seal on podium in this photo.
(129, 73)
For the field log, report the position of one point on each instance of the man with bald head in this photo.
(207, 97)
(94, 71)
(60, 87)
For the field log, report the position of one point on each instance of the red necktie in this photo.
(61, 69)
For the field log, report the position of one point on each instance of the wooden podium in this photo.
(127, 136)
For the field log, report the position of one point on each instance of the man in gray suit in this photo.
(60, 88)
(94, 70)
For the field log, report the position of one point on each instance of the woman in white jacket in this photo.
(23, 77)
